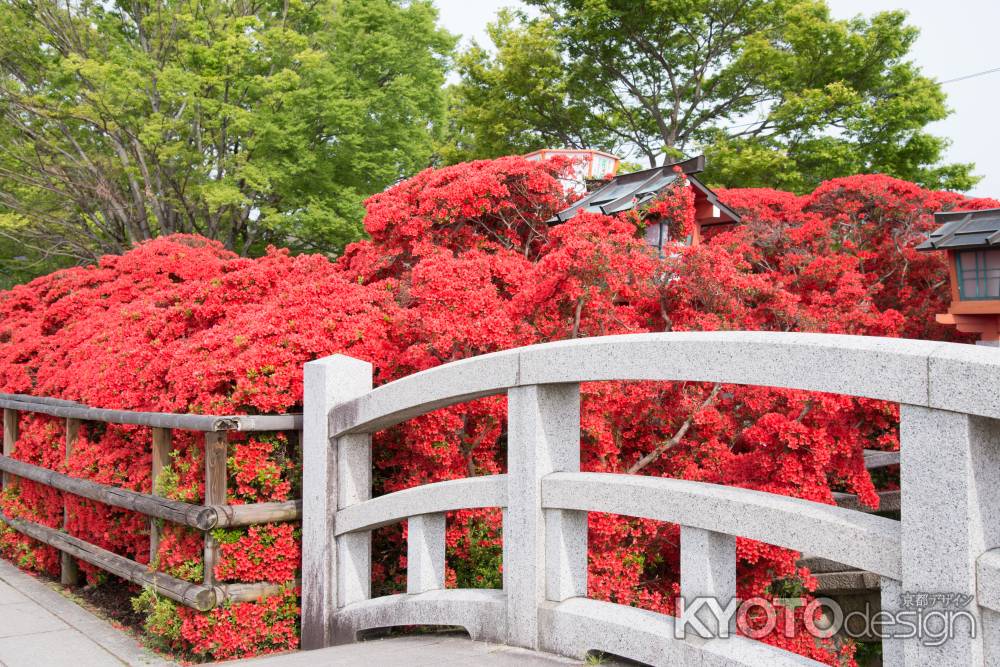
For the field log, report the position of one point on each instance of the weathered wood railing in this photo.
(214, 513)
(947, 541)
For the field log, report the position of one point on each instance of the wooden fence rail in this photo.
(184, 422)
(213, 513)
(201, 517)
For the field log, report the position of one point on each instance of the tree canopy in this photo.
(247, 122)
(777, 93)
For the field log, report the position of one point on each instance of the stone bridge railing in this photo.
(950, 470)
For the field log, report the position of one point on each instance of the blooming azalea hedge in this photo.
(460, 262)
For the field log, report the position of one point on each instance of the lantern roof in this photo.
(629, 191)
(964, 229)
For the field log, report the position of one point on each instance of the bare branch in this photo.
(678, 435)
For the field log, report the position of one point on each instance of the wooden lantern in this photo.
(971, 240)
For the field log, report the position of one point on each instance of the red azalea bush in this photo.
(461, 262)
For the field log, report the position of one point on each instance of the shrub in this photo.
(460, 262)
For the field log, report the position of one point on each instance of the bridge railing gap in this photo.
(947, 541)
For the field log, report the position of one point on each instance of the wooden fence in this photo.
(213, 513)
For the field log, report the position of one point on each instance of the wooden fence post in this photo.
(161, 456)
(69, 573)
(9, 438)
(216, 452)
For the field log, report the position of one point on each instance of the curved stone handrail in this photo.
(949, 398)
(961, 378)
(864, 541)
(447, 496)
(482, 612)
(646, 637)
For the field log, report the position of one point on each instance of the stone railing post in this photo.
(950, 499)
(543, 426)
(890, 595)
(565, 555)
(354, 550)
(708, 570)
(425, 553)
(327, 381)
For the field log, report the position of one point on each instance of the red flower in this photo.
(461, 262)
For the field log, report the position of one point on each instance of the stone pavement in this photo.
(412, 651)
(39, 627)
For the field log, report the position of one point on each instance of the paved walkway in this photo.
(412, 651)
(41, 628)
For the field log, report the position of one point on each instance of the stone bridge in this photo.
(949, 398)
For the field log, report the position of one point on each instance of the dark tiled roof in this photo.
(629, 191)
(965, 229)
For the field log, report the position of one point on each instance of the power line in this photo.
(970, 76)
(940, 83)
(753, 122)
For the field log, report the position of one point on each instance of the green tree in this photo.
(251, 122)
(514, 100)
(19, 264)
(776, 92)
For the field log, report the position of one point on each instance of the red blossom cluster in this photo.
(461, 262)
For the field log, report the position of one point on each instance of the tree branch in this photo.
(677, 437)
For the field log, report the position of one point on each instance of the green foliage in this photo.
(512, 102)
(163, 623)
(19, 264)
(168, 481)
(788, 587)
(868, 654)
(189, 570)
(481, 568)
(231, 536)
(776, 92)
(250, 123)
(21, 551)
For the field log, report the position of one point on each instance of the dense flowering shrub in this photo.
(460, 262)
(180, 325)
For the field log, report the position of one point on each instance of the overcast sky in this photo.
(956, 39)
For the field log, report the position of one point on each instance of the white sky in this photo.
(956, 39)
